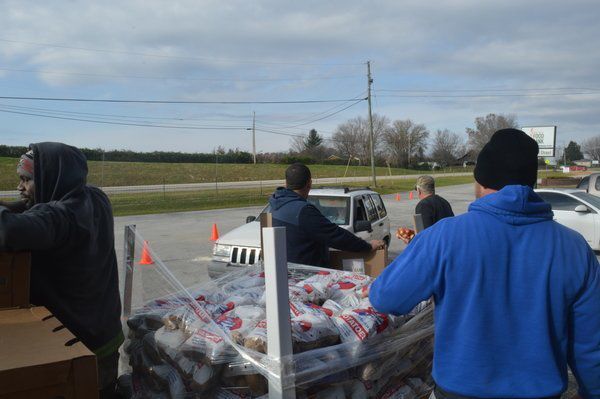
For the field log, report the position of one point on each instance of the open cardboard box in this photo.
(39, 358)
(14, 279)
(369, 263)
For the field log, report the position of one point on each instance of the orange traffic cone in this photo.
(397, 197)
(410, 196)
(146, 258)
(215, 233)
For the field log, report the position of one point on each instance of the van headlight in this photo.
(222, 250)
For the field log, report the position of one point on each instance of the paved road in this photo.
(239, 184)
(182, 240)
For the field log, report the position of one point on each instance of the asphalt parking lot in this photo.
(182, 240)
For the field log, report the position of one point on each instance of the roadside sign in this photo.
(545, 136)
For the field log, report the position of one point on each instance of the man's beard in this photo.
(28, 201)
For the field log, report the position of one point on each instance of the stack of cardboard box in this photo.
(39, 358)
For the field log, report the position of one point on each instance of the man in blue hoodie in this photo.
(309, 234)
(517, 295)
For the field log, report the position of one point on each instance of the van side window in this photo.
(371, 210)
(361, 214)
(379, 205)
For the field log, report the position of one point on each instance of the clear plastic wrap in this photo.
(209, 340)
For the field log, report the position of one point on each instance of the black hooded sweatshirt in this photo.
(70, 234)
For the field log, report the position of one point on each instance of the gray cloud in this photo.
(413, 44)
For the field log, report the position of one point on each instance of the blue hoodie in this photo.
(517, 297)
(309, 234)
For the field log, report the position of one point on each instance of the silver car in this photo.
(359, 210)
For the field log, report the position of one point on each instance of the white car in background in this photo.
(358, 210)
(577, 210)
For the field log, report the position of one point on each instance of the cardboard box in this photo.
(14, 279)
(39, 358)
(369, 263)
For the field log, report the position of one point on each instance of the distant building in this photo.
(583, 162)
(469, 159)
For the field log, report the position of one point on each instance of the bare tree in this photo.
(351, 138)
(298, 144)
(591, 147)
(486, 126)
(406, 142)
(447, 147)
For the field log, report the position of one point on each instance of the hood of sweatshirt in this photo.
(283, 196)
(60, 171)
(515, 205)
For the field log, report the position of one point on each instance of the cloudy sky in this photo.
(440, 63)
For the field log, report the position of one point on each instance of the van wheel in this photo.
(387, 242)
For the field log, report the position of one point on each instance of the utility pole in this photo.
(369, 82)
(253, 136)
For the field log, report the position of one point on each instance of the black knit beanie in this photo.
(510, 157)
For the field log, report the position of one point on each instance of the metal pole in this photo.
(102, 179)
(128, 262)
(409, 150)
(254, 136)
(279, 334)
(216, 177)
(369, 82)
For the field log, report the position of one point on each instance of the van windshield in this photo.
(336, 209)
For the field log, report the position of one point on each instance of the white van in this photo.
(358, 210)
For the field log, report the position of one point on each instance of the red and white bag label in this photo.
(312, 327)
(359, 324)
(300, 308)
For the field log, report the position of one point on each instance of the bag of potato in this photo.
(208, 347)
(240, 321)
(360, 324)
(250, 280)
(311, 331)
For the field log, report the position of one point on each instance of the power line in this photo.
(122, 123)
(173, 101)
(488, 95)
(325, 117)
(335, 107)
(63, 112)
(40, 71)
(206, 59)
(485, 90)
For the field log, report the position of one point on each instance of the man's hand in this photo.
(377, 244)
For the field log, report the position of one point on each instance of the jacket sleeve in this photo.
(411, 278)
(584, 333)
(40, 228)
(15, 206)
(320, 228)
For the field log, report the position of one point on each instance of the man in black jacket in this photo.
(68, 227)
(431, 206)
(309, 234)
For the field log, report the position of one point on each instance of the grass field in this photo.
(141, 173)
(138, 173)
(136, 204)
